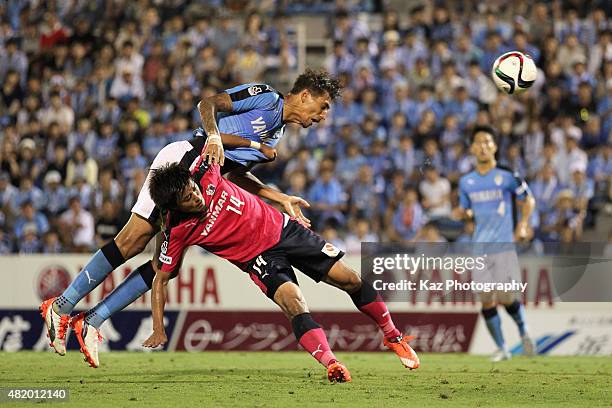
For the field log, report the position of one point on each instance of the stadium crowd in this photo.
(91, 91)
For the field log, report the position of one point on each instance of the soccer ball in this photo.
(514, 72)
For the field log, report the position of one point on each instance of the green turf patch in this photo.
(294, 379)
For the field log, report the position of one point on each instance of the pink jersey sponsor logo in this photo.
(216, 210)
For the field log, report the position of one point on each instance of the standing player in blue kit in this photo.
(489, 195)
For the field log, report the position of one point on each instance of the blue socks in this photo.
(494, 325)
(104, 261)
(517, 311)
(134, 286)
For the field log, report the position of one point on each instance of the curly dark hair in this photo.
(317, 82)
(167, 184)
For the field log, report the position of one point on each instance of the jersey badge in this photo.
(330, 250)
(256, 90)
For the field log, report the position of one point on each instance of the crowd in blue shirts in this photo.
(418, 81)
(90, 93)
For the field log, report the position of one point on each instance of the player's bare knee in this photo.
(507, 298)
(134, 236)
(343, 277)
(290, 299)
(354, 282)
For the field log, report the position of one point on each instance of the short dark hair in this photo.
(485, 129)
(317, 82)
(167, 184)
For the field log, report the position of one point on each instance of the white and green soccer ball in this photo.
(514, 72)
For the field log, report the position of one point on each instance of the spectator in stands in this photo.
(51, 243)
(83, 136)
(56, 196)
(29, 242)
(6, 246)
(582, 187)
(108, 224)
(28, 193)
(155, 140)
(129, 60)
(59, 160)
(12, 58)
(77, 226)
(30, 216)
(297, 184)
(132, 161)
(11, 93)
(107, 188)
(133, 187)
(365, 194)
(359, 232)
(127, 85)
(81, 166)
(29, 164)
(327, 197)
(545, 188)
(8, 194)
(404, 158)
(348, 169)
(564, 223)
(406, 219)
(58, 112)
(435, 191)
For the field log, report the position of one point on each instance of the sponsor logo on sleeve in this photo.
(255, 90)
(165, 259)
(162, 256)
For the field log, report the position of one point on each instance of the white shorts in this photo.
(185, 152)
(501, 267)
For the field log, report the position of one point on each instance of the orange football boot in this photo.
(337, 372)
(403, 350)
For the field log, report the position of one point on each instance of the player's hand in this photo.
(523, 232)
(155, 340)
(213, 152)
(293, 206)
(268, 151)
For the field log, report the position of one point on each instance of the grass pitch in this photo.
(213, 379)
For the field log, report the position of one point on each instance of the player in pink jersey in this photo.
(207, 210)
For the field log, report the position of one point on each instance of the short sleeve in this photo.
(519, 187)
(171, 252)
(252, 96)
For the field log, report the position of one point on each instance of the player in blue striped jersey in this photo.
(489, 195)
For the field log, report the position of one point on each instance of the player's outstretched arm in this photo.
(233, 141)
(291, 204)
(158, 302)
(208, 108)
